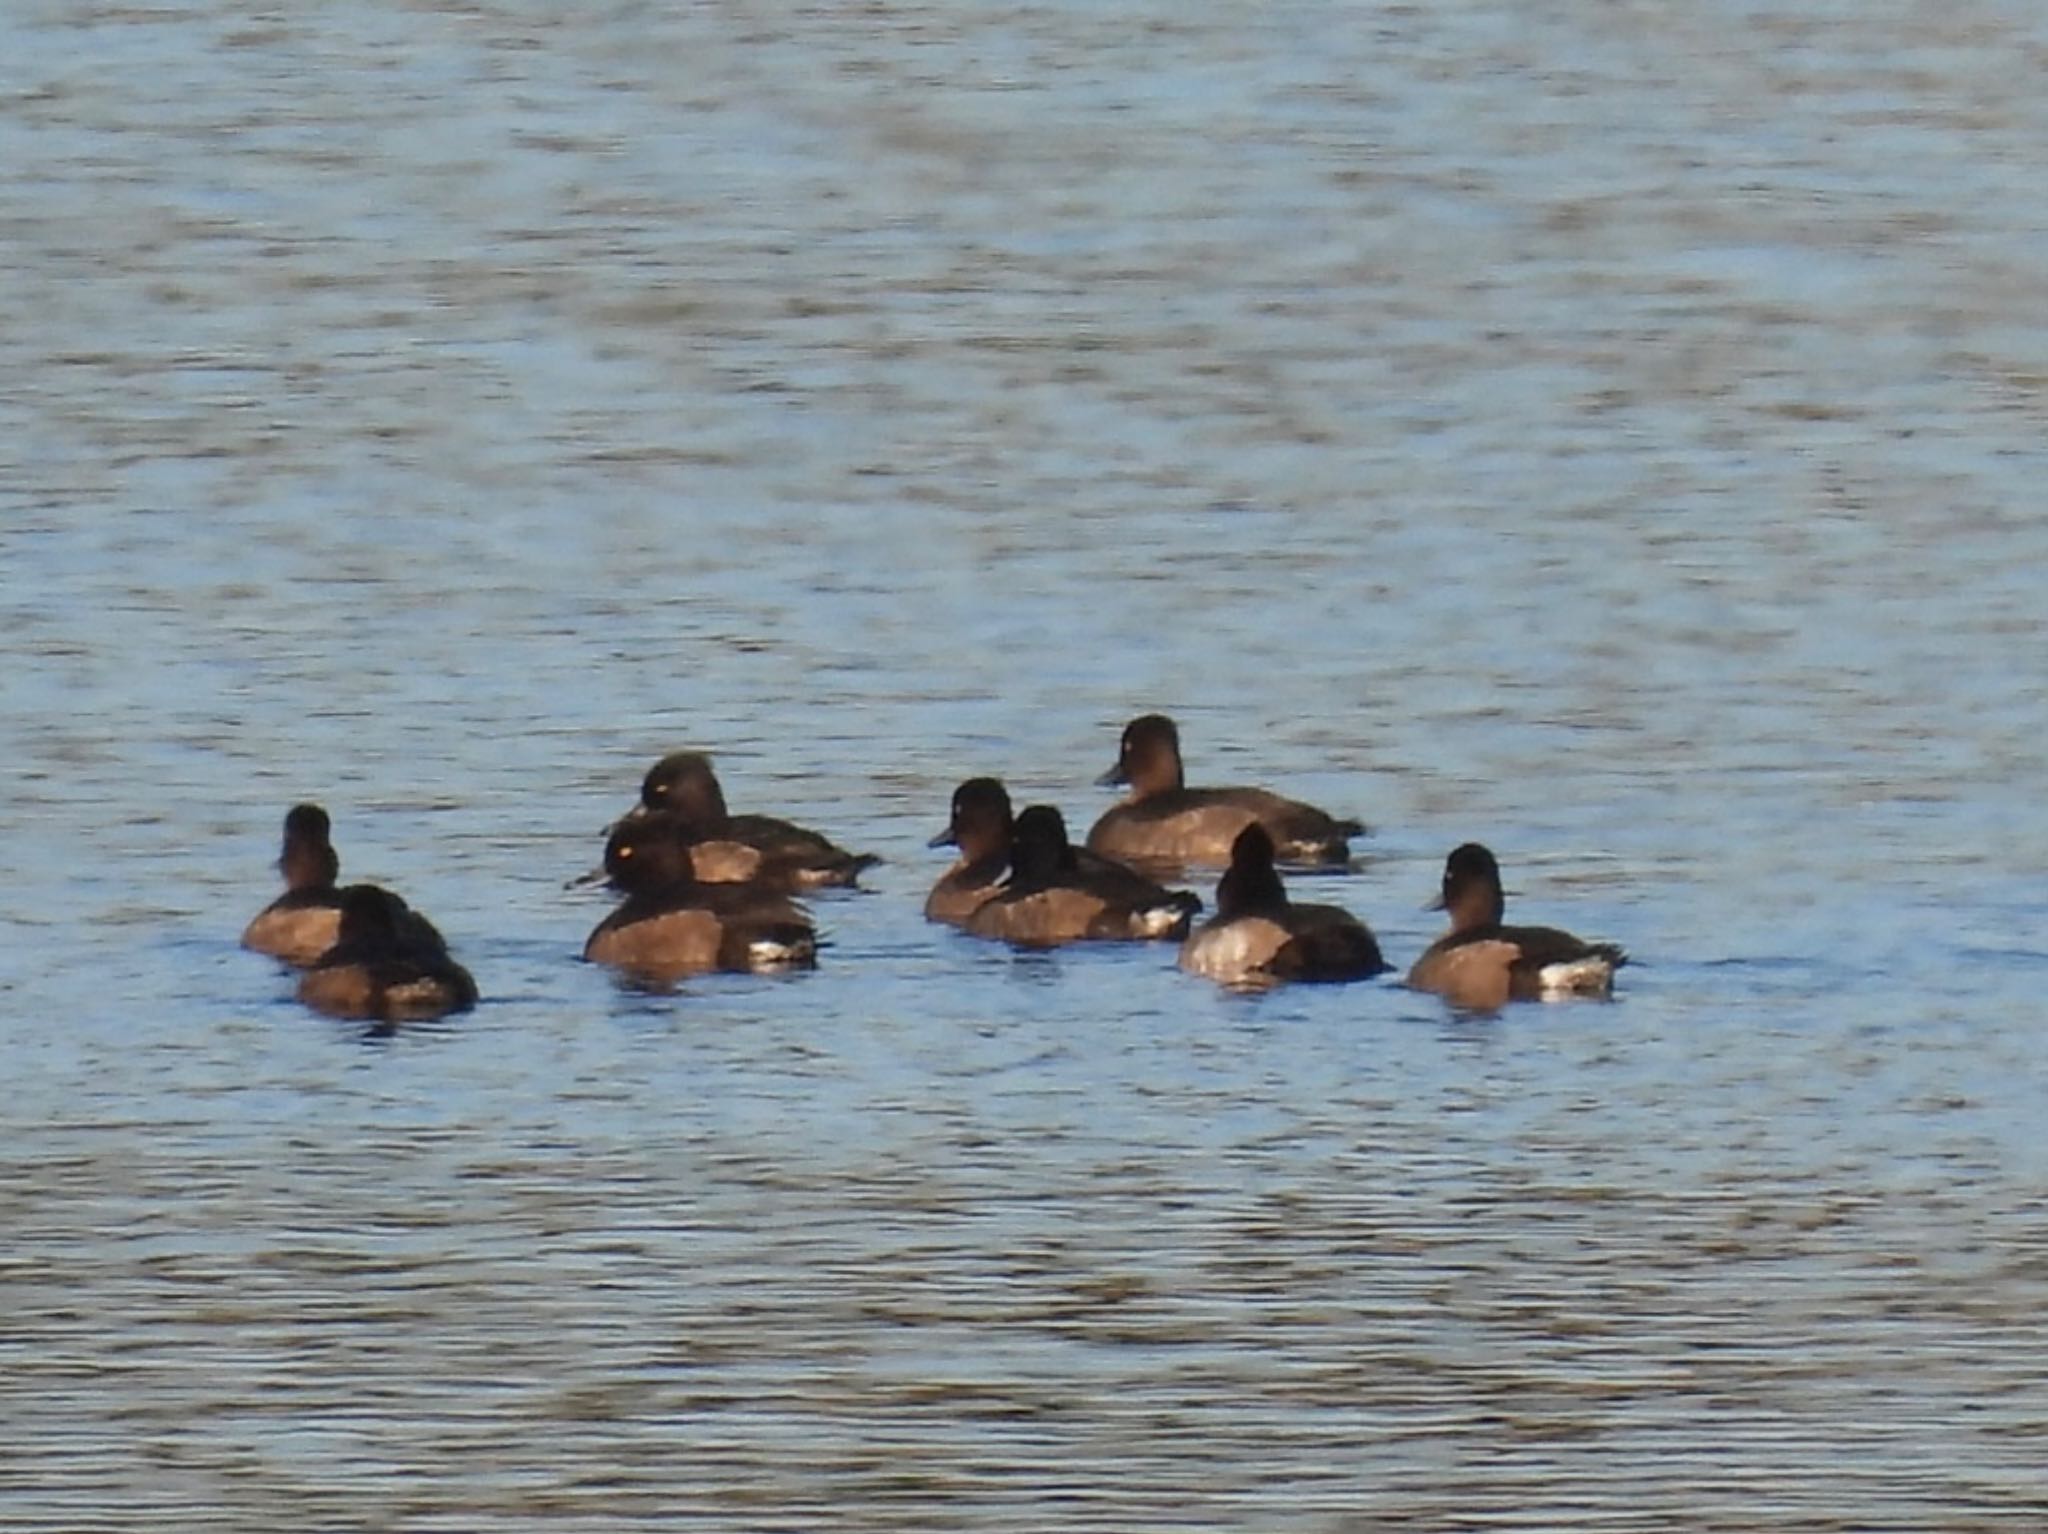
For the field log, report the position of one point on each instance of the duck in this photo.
(1481, 965)
(732, 849)
(387, 964)
(671, 924)
(1163, 821)
(1259, 937)
(981, 825)
(304, 922)
(1050, 899)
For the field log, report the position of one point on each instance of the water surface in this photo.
(1610, 433)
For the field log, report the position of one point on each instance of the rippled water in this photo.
(1611, 431)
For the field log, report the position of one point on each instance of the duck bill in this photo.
(584, 881)
(1115, 777)
(945, 838)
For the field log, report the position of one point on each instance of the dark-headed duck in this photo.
(671, 925)
(981, 827)
(1050, 898)
(388, 963)
(1258, 936)
(305, 921)
(729, 848)
(1163, 821)
(1481, 964)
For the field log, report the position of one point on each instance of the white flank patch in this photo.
(1234, 951)
(1593, 976)
(773, 953)
(1155, 921)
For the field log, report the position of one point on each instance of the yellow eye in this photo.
(625, 852)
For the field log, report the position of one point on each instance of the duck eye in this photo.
(625, 852)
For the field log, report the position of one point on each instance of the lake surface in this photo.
(1614, 432)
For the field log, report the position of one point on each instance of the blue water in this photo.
(1611, 434)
